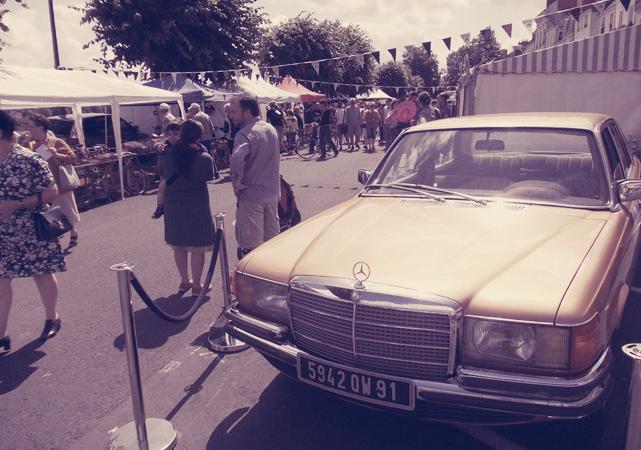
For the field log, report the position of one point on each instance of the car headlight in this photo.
(262, 298)
(509, 344)
(512, 345)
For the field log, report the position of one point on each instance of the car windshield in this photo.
(534, 165)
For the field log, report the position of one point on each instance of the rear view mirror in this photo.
(363, 175)
(490, 145)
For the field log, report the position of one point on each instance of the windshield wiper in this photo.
(417, 189)
(442, 191)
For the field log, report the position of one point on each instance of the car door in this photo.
(627, 218)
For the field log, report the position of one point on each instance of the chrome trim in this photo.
(390, 297)
(449, 391)
(529, 322)
(592, 376)
(267, 280)
(275, 330)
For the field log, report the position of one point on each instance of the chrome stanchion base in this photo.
(161, 435)
(221, 342)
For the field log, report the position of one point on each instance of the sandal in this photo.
(5, 345)
(197, 290)
(184, 287)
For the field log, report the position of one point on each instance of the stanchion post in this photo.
(219, 340)
(142, 433)
(633, 438)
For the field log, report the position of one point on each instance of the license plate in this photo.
(365, 386)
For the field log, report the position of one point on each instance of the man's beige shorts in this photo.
(256, 222)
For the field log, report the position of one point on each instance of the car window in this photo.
(616, 166)
(548, 165)
(620, 142)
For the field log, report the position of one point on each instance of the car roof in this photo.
(567, 120)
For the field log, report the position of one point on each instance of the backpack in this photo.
(288, 213)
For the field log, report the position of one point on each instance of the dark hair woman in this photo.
(189, 230)
(24, 177)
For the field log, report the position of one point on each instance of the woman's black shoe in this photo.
(51, 329)
(5, 345)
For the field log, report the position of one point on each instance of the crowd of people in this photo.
(30, 179)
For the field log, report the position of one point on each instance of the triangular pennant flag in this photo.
(316, 66)
(392, 51)
(262, 72)
(336, 85)
(202, 75)
(173, 76)
(466, 38)
(377, 56)
(238, 73)
(625, 3)
(448, 42)
(408, 48)
(507, 28)
(226, 74)
(93, 70)
(396, 89)
(135, 74)
(485, 32)
(428, 47)
(276, 70)
(576, 12)
(528, 24)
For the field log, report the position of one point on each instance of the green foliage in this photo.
(305, 38)
(3, 27)
(422, 65)
(169, 35)
(483, 49)
(392, 74)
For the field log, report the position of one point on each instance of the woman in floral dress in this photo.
(24, 174)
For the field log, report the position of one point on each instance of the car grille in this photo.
(413, 344)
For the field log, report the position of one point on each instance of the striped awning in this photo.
(618, 50)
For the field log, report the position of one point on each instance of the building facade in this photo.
(596, 17)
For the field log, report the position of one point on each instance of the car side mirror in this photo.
(363, 175)
(629, 190)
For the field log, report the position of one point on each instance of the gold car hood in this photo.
(501, 260)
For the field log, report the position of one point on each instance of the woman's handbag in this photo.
(69, 179)
(50, 223)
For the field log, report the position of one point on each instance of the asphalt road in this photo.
(70, 392)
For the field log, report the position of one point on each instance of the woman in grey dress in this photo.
(189, 229)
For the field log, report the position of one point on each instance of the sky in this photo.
(389, 23)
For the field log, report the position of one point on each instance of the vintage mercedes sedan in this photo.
(479, 276)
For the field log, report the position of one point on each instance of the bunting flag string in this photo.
(359, 57)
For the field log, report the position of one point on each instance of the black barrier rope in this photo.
(188, 315)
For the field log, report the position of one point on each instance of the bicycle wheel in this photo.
(302, 150)
(136, 181)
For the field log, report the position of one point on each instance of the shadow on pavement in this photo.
(151, 330)
(16, 367)
(292, 416)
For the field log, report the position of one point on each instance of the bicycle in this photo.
(306, 147)
(219, 151)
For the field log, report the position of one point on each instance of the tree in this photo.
(3, 27)
(392, 74)
(483, 49)
(166, 35)
(305, 38)
(423, 65)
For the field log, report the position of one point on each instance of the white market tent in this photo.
(599, 74)
(28, 87)
(265, 92)
(376, 94)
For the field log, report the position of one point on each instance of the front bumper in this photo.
(478, 396)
